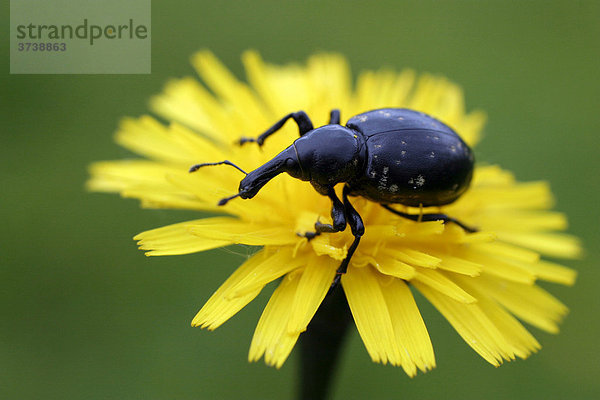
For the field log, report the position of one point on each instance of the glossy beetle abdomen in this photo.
(415, 160)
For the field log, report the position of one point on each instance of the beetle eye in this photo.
(293, 168)
(291, 164)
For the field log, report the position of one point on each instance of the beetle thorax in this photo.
(329, 155)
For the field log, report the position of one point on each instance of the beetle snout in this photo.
(245, 193)
(248, 188)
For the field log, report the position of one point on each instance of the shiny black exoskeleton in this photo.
(388, 156)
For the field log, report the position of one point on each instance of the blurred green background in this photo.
(86, 316)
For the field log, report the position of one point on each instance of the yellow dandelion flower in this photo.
(481, 282)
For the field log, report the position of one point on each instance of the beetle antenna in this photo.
(224, 201)
(196, 167)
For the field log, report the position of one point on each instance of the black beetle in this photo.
(389, 155)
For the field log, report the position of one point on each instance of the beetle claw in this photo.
(308, 235)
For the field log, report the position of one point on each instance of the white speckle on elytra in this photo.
(403, 153)
(363, 118)
(454, 187)
(386, 114)
(375, 156)
(378, 146)
(432, 155)
(453, 149)
(403, 142)
(400, 118)
(393, 188)
(398, 162)
(436, 138)
(373, 174)
(420, 181)
(383, 180)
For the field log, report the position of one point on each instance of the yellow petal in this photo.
(330, 82)
(146, 136)
(471, 125)
(497, 266)
(265, 84)
(459, 265)
(322, 246)
(491, 175)
(177, 239)
(189, 103)
(442, 284)
(389, 266)
(224, 84)
(517, 196)
(507, 251)
(522, 342)
(402, 87)
(415, 231)
(530, 303)
(529, 260)
(221, 305)
(146, 181)
(314, 284)
(271, 337)
(411, 334)
(236, 231)
(114, 176)
(277, 265)
(552, 244)
(371, 315)
(523, 221)
(414, 257)
(553, 272)
(472, 324)
(197, 145)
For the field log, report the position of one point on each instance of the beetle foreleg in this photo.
(358, 229)
(338, 216)
(356, 223)
(304, 125)
(429, 217)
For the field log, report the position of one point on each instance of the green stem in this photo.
(320, 346)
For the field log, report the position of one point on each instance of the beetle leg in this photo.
(337, 215)
(430, 217)
(304, 125)
(334, 117)
(358, 229)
